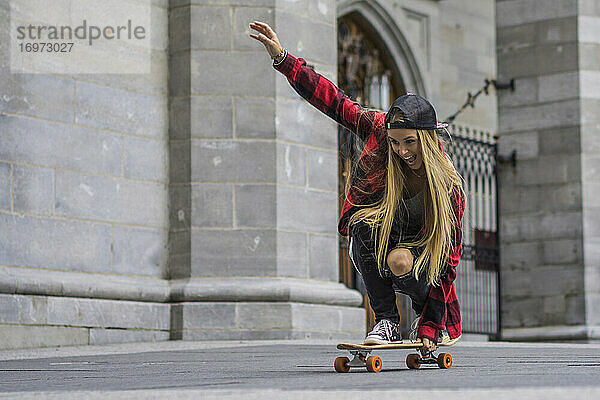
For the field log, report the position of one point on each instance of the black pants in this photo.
(382, 290)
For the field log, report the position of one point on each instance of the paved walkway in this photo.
(296, 369)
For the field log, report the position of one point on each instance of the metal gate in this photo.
(474, 155)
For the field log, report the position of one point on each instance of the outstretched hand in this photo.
(266, 35)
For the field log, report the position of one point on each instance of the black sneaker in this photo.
(385, 332)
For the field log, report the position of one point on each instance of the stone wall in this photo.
(548, 200)
(467, 56)
(253, 179)
(197, 201)
(160, 205)
(83, 194)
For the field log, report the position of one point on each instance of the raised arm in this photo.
(315, 88)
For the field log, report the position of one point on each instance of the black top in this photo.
(409, 219)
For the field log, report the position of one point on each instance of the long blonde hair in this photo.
(442, 180)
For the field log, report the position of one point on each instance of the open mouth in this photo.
(410, 160)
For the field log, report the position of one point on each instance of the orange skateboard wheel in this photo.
(374, 364)
(341, 364)
(412, 361)
(444, 360)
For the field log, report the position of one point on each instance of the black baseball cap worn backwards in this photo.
(417, 112)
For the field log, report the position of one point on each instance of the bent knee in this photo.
(399, 261)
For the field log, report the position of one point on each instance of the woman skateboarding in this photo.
(403, 207)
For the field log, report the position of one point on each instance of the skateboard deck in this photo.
(361, 357)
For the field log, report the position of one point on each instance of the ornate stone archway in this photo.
(392, 38)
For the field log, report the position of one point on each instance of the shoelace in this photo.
(383, 328)
(413, 329)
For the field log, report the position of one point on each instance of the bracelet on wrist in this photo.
(278, 59)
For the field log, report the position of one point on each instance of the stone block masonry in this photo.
(549, 200)
(251, 179)
(40, 321)
(83, 197)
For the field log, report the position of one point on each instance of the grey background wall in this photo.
(173, 205)
(83, 198)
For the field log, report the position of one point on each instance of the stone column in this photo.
(253, 189)
(549, 200)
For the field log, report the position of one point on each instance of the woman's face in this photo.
(405, 143)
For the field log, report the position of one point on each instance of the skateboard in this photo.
(361, 357)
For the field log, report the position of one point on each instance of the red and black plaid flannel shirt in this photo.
(441, 310)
